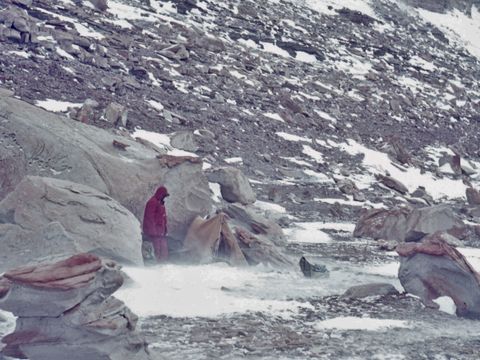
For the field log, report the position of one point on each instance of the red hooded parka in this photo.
(155, 223)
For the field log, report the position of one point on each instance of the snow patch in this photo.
(314, 154)
(56, 105)
(234, 160)
(377, 162)
(459, 27)
(273, 116)
(446, 304)
(274, 49)
(292, 137)
(156, 105)
(268, 206)
(162, 141)
(307, 233)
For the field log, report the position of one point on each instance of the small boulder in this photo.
(383, 224)
(234, 185)
(184, 140)
(116, 114)
(311, 270)
(392, 183)
(366, 290)
(346, 186)
(406, 224)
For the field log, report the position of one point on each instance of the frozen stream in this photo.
(216, 289)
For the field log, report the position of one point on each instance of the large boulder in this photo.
(234, 185)
(46, 217)
(66, 308)
(41, 143)
(433, 269)
(253, 221)
(383, 224)
(406, 224)
(428, 220)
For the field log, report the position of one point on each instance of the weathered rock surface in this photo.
(66, 308)
(428, 220)
(46, 217)
(366, 290)
(259, 250)
(473, 196)
(234, 185)
(405, 224)
(394, 184)
(250, 219)
(433, 268)
(383, 224)
(36, 142)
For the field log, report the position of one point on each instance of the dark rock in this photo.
(388, 245)
(356, 16)
(101, 5)
(311, 270)
(392, 183)
(383, 224)
(473, 196)
(346, 186)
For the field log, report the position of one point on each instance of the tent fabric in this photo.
(211, 239)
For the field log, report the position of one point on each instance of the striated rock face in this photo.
(66, 308)
(46, 217)
(36, 142)
(433, 268)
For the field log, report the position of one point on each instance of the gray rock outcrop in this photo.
(433, 269)
(251, 220)
(234, 185)
(66, 308)
(46, 217)
(366, 290)
(405, 224)
(36, 142)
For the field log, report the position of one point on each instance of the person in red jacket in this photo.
(155, 223)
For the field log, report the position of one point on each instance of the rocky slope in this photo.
(328, 107)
